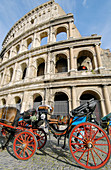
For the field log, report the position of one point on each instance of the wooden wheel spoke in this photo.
(78, 149)
(85, 131)
(78, 138)
(101, 150)
(20, 152)
(93, 158)
(19, 141)
(30, 141)
(77, 144)
(101, 144)
(87, 158)
(27, 152)
(97, 155)
(18, 149)
(30, 149)
(24, 153)
(99, 138)
(82, 154)
(95, 134)
(81, 134)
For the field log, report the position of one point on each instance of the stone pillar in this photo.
(29, 69)
(53, 37)
(68, 64)
(23, 46)
(24, 101)
(12, 52)
(70, 29)
(46, 95)
(48, 64)
(3, 78)
(74, 103)
(36, 40)
(50, 35)
(95, 63)
(71, 59)
(98, 56)
(15, 73)
(10, 100)
(103, 110)
(107, 99)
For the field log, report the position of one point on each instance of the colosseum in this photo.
(44, 59)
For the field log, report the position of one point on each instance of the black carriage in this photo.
(89, 144)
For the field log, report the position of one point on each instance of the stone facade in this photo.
(44, 58)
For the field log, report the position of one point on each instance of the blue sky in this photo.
(91, 16)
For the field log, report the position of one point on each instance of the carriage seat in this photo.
(8, 115)
(59, 119)
(84, 109)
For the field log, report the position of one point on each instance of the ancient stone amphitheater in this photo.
(45, 59)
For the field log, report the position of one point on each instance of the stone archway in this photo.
(89, 95)
(18, 102)
(61, 104)
(37, 100)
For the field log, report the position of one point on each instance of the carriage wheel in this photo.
(24, 145)
(41, 137)
(89, 145)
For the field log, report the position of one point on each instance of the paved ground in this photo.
(51, 157)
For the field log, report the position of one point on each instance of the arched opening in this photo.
(61, 104)
(1, 77)
(24, 70)
(44, 38)
(37, 101)
(11, 74)
(85, 61)
(29, 43)
(3, 102)
(8, 53)
(61, 63)
(18, 48)
(61, 34)
(40, 67)
(89, 95)
(18, 102)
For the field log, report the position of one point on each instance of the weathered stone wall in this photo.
(29, 69)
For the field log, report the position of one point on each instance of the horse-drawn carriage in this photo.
(89, 144)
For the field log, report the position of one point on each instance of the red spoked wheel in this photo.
(89, 145)
(41, 137)
(24, 145)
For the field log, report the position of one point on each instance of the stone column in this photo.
(48, 64)
(12, 52)
(70, 29)
(15, 73)
(74, 103)
(50, 35)
(95, 62)
(103, 110)
(71, 58)
(9, 100)
(3, 78)
(29, 69)
(23, 46)
(24, 101)
(36, 40)
(107, 99)
(68, 64)
(98, 56)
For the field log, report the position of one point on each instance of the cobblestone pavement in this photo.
(51, 157)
